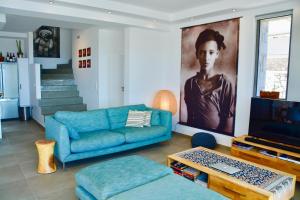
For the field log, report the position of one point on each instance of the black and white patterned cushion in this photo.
(147, 118)
(135, 119)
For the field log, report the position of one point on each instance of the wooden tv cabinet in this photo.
(254, 154)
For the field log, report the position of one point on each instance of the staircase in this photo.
(58, 91)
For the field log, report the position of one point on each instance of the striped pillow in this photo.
(147, 118)
(135, 119)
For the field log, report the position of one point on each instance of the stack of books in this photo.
(288, 158)
(185, 171)
(190, 173)
(178, 167)
(242, 146)
(268, 153)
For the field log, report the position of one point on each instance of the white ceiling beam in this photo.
(12, 34)
(83, 15)
(119, 7)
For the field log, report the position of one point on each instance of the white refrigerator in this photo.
(9, 90)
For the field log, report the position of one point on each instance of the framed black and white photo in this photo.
(46, 42)
(209, 64)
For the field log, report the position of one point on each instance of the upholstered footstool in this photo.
(136, 178)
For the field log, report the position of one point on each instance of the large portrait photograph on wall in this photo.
(46, 42)
(209, 63)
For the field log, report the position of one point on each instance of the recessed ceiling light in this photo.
(109, 12)
(234, 10)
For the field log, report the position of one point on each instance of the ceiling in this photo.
(26, 15)
(169, 6)
(23, 24)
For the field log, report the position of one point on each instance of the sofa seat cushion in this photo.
(106, 179)
(118, 115)
(133, 134)
(96, 140)
(92, 120)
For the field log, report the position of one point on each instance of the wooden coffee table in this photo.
(258, 184)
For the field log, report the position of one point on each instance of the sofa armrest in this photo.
(58, 132)
(165, 119)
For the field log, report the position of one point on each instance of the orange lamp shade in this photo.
(165, 100)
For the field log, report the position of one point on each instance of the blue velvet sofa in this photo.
(103, 131)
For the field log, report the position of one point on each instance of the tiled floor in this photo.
(18, 160)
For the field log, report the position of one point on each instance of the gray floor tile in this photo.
(7, 160)
(51, 183)
(6, 149)
(17, 190)
(11, 174)
(29, 169)
(65, 194)
(26, 156)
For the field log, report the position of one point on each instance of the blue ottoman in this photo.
(204, 140)
(136, 178)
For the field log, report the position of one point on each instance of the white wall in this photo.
(146, 58)
(65, 51)
(111, 67)
(152, 62)
(87, 79)
(35, 92)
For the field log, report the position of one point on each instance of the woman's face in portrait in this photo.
(207, 54)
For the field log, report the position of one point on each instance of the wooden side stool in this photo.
(45, 150)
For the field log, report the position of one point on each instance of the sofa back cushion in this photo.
(118, 115)
(155, 118)
(84, 121)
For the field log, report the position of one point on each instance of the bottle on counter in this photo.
(10, 57)
(14, 58)
(7, 57)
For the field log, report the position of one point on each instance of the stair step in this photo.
(58, 87)
(61, 101)
(49, 110)
(57, 76)
(58, 71)
(59, 94)
(58, 82)
(64, 66)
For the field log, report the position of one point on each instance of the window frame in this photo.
(257, 49)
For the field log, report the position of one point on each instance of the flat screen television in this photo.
(275, 120)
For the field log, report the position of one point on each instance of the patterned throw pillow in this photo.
(135, 119)
(147, 118)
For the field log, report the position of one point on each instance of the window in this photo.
(273, 44)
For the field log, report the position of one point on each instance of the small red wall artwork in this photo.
(88, 51)
(88, 63)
